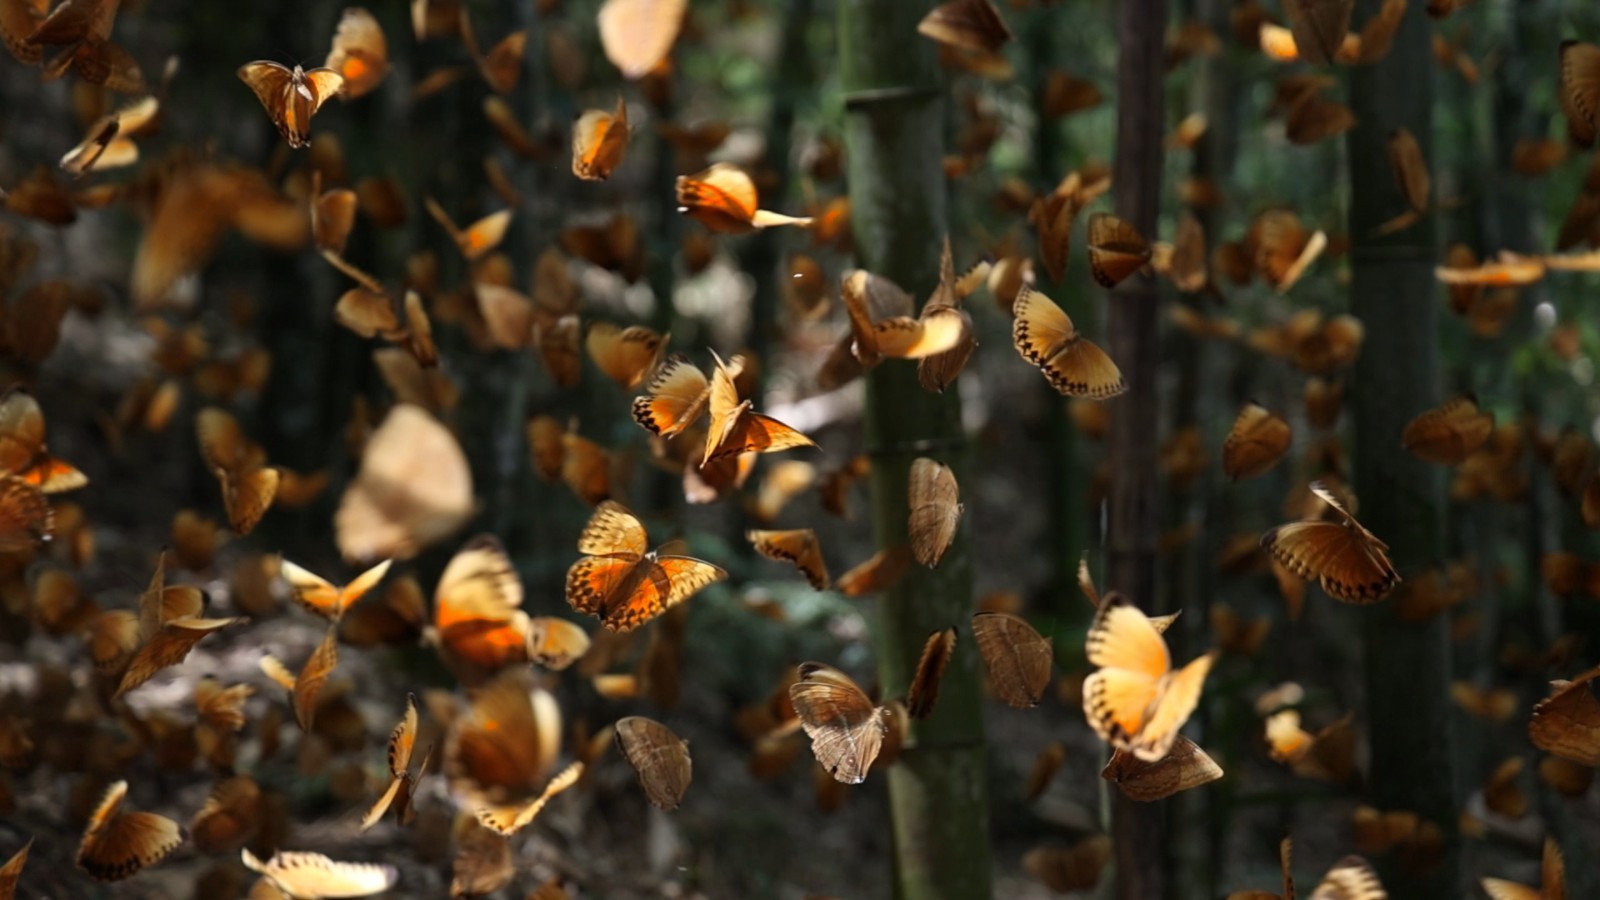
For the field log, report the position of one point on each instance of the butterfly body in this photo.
(291, 96)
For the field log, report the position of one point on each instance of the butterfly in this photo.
(1346, 559)
(1116, 249)
(879, 572)
(660, 758)
(109, 143)
(1075, 868)
(508, 820)
(923, 692)
(624, 583)
(1552, 883)
(118, 844)
(637, 35)
(505, 743)
(1258, 439)
(478, 622)
(1074, 365)
(482, 862)
(846, 729)
(737, 428)
(676, 396)
(229, 817)
(1328, 755)
(1283, 247)
(333, 216)
(1319, 27)
(798, 546)
(170, 624)
(1448, 433)
(480, 237)
(11, 872)
(84, 27)
(969, 24)
(501, 67)
(360, 54)
(304, 688)
(312, 876)
(1185, 766)
(1135, 700)
(291, 96)
(248, 484)
(1580, 90)
(935, 510)
(1349, 879)
(625, 355)
(401, 780)
(599, 141)
(1410, 169)
(22, 447)
(413, 489)
(1567, 723)
(723, 198)
(319, 596)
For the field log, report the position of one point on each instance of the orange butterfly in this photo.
(621, 580)
(229, 818)
(599, 141)
(1258, 439)
(330, 601)
(117, 845)
(480, 237)
(401, 781)
(301, 874)
(305, 688)
(637, 35)
(291, 96)
(723, 198)
(413, 489)
(109, 143)
(676, 395)
(1552, 882)
(1347, 560)
(737, 428)
(1116, 249)
(501, 67)
(1045, 336)
(798, 546)
(625, 355)
(1567, 723)
(1136, 701)
(170, 624)
(22, 447)
(505, 743)
(83, 27)
(360, 54)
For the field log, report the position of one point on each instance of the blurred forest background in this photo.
(1174, 101)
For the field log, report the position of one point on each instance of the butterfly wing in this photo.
(510, 820)
(130, 842)
(313, 676)
(1184, 766)
(923, 691)
(613, 530)
(676, 395)
(1350, 879)
(271, 83)
(798, 546)
(752, 432)
(312, 591)
(323, 84)
(638, 34)
(594, 581)
(685, 575)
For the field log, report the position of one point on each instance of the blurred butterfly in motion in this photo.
(923, 693)
(170, 624)
(1448, 433)
(798, 546)
(677, 395)
(312, 875)
(624, 583)
(723, 198)
(1258, 439)
(637, 35)
(22, 448)
(1552, 882)
(116, 844)
(1567, 723)
(248, 484)
(845, 728)
(599, 141)
(509, 820)
(291, 96)
(324, 598)
(1074, 365)
(11, 872)
(1346, 559)
(1116, 249)
(360, 54)
(1135, 700)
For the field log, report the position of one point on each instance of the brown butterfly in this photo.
(847, 731)
(508, 820)
(333, 216)
(109, 143)
(923, 691)
(1075, 868)
(1256, 442)
(505, 744)
(637, 35)
(599, 141)
(723, 198)
(229, 817)
(360, 54)
(1045, 767)
(248, 484)
(501, 67)
(413, 489)
(118, 844)
(1319, 27)
(1116, 249)
(1283, 248)
(1580, 90)
(737, 428)
(1135, 700)
(660, 758)
(1346, 559)
(1328, 755)
(22, 446)
(402, 782)
(318, 595)
(1017, 657)
(625, 355)
(304, 688)
(798, 546)
(1184, 766)
(311, 875)
(968, 24)
(1448, 433)
(83, 28)
(880, 572)
(1552, 883)
(935, 510)
(291, 96)
(1567, 723)
(624, 583)
(1045, 336)
(170, 624)
(482, 863)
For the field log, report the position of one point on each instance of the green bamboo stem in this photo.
(938, 790)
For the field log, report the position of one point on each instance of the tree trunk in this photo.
(1392, 290)
(1133, 521)
(938, 789)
